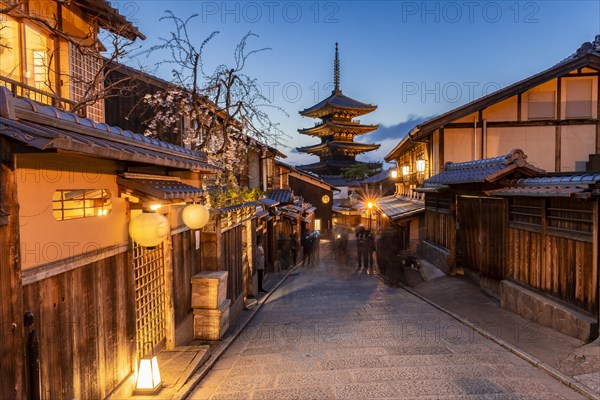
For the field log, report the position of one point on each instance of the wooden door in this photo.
(481, 231)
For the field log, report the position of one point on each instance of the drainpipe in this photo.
(484, 140)
(475, 138)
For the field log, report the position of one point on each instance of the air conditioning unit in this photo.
(594, 163)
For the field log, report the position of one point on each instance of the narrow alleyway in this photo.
(332, 332)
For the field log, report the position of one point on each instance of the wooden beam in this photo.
(598, 116)
(520, 107)
(521, 124)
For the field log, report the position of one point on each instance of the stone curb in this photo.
(550, 370)
(205, 368)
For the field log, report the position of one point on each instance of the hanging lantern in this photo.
(195, 216)
(149, 229)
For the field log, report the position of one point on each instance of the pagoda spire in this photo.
(336, 70)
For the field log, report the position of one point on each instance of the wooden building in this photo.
(69, 188)
(336, 130)
(554, 116)
(44, 50)
(256, 169)
(312, 189)
(526, 237)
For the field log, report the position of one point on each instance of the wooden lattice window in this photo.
(437, 203)
(571, 217)
(81, 203)
(149, 272)
(526, 211)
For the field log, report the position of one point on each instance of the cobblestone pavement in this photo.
(332, 332)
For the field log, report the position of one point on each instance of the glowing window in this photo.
(81, 203)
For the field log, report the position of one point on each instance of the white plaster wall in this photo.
(43, 238)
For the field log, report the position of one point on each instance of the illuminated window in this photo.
(81, 203)
(420, 165)
(9, 48)
(317, 224)
(405, 170)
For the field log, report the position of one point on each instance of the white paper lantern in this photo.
(195, 216)
(149, 229)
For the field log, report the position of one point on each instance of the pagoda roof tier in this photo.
(328, 165)
(331, 147)
(337, 103)
(347, 128)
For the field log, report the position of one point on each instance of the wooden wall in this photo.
(85, 321)
(552, 250)
(438, 226)
(186, 263)
(232, 261)
(11, 306)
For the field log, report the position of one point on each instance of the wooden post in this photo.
(169, 295)
(210, 245)
(11, 306)
(595, 257)
(452, 257)
(557, 132)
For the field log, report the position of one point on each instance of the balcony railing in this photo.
(23, 90)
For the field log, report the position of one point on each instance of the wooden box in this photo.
(211, 324)
(209, 289)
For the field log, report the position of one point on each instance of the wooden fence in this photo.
(85, 321)
(551, 248)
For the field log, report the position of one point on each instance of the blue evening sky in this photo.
(413, 59)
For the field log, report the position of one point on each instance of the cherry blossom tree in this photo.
(222, 108)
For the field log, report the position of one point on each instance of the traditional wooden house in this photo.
(41, 49)
(256, 169)
(553, 116)
(69, 189)
(551, 246)
(526, 237)
(312, 189)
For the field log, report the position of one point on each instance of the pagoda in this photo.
(336, 130)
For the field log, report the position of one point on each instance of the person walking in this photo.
(293, 249)
(361, 237)
(260, 263)
(368, 252)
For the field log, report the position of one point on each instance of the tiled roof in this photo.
(339, 145)
(47, 128)
(486, 170)
(397, 207)
(339, 180)
(166, 188)
(587, 48)
(581, 184)
(575, 180)
(305, 174)
(281, 195)
(378, 177)
(338, 100)
(587, 55)
(268, 202)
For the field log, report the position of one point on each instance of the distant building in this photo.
(336, 130)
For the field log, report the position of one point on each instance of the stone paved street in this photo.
(331, 332)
